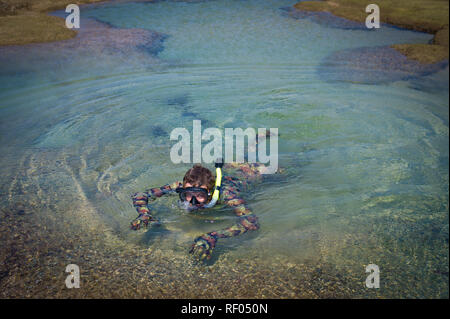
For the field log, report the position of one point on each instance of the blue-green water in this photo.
(367, 164)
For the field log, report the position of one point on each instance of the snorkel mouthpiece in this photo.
(185, 205)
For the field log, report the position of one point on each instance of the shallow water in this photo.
(85, 123)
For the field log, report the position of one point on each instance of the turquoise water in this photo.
(366, 164)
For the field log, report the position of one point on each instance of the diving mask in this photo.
(193, 195)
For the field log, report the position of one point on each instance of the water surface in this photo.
(85, 124)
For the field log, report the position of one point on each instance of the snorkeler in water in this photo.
(200, 190)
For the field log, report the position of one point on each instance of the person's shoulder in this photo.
(176, 184)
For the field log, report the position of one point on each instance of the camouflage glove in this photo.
(203, 246)
(143, 219)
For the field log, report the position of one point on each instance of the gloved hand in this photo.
(143, 219)
(203, 246)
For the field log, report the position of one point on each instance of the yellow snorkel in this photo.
(216, 193)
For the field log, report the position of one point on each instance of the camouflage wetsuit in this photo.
(231, 188)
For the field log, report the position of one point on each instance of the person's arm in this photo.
(204, 245)
(141, 201)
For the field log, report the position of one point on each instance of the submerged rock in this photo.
(373, 65)
(95, 39)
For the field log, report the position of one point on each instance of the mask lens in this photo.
(200, 196)
(187, 194)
